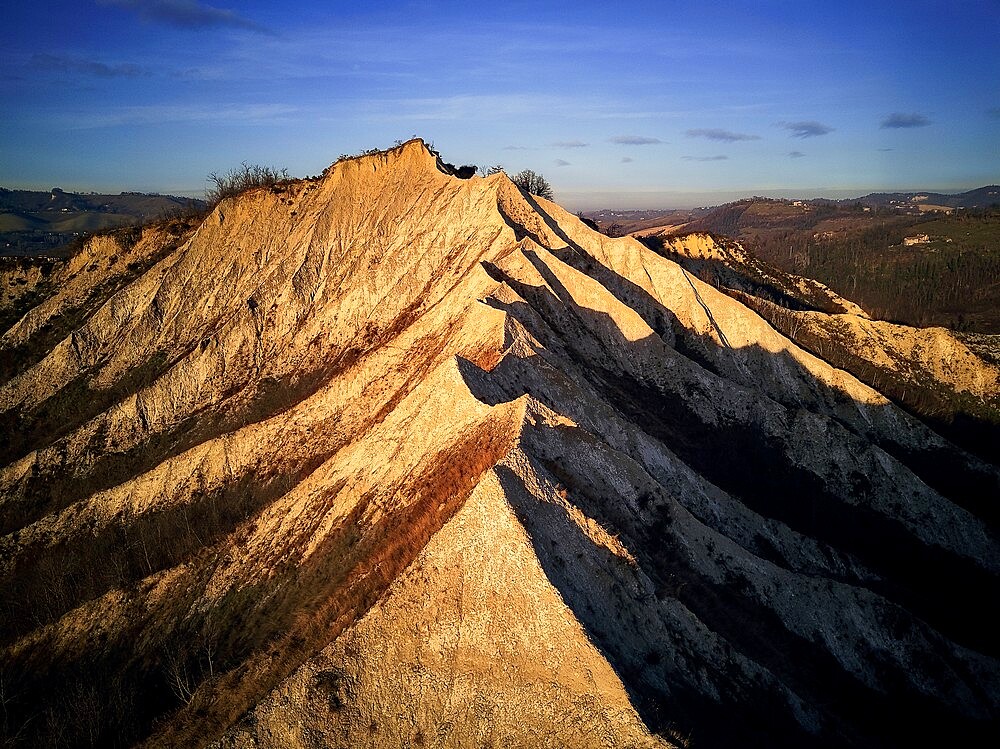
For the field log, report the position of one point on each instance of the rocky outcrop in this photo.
(393, 458)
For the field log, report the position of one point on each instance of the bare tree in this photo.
(239, 180)
(533, 183)
(178, 673)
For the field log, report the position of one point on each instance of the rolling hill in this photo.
(913, 267)
(36, 222)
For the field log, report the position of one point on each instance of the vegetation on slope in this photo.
(951, 279)
(242, 178)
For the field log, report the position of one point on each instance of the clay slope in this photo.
(392, 458)
(949, 379)
(724, 263)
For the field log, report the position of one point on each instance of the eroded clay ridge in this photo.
(392, 458)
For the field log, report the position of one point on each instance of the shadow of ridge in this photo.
(960, 419)
(553, 226)
(965, 420)
(523, 232)
(665, 671)
(948, 471)
(758, 467)
(743, 277)
(965, 426)
(658, 316)
(661, 696)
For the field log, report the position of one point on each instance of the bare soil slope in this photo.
(392, 458)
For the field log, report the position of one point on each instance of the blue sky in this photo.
(628, 104)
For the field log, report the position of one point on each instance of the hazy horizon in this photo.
(658, 105)
(602, 200)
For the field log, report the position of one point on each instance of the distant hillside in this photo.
(618, 223)
(981, 197)
(44, 222)
(900, 260)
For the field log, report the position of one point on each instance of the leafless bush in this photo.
(239, 180)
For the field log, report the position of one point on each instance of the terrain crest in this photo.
(391, 458)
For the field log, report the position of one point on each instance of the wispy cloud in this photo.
(60, 64)
(795, 154)
(901, 120)
(726, 136)
(185, 14)
(460, 108)
(885, 150)
(705, 158)
(634, 140)
(806, 128)
(569, 144)
(515, 148)
(156, 114)
(627, 159)
(561, 162)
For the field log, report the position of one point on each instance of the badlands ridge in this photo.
(391, 458)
